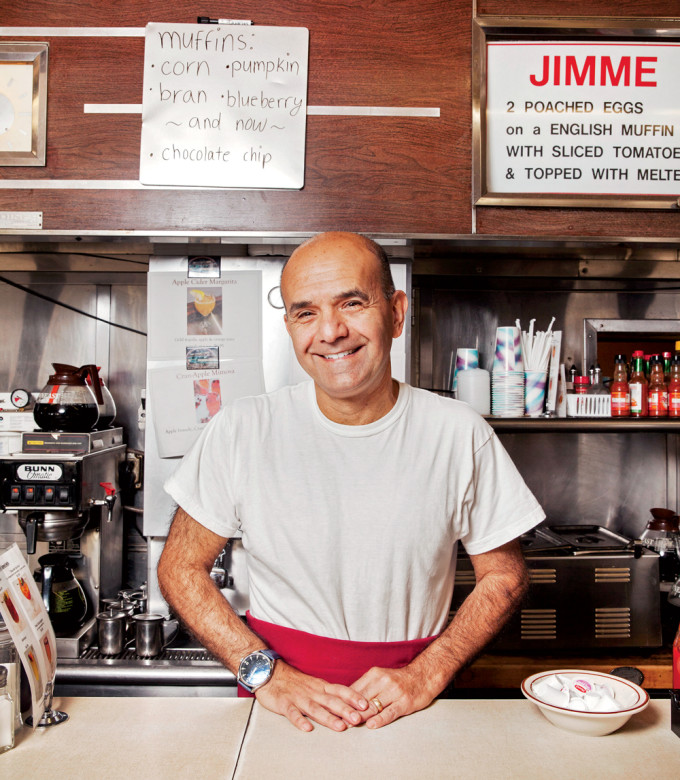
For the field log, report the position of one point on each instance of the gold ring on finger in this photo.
(378, 705)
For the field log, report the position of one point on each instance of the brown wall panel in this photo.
(621, 223)
(378, 174)
(335, 195)
(639, 8)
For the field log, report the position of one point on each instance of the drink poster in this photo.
(189, 399)
(223, 314)
(204, 346)
(29, 626)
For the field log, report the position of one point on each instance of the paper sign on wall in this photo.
(186, 313)
(187, 400)
(204, 347)
(224, 106)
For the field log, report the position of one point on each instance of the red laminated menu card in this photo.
(29, 626)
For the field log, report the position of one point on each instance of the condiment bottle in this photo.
(638, 386)
(6, 714)
(658, 390)
(667, 366)
(597, 388)
(581, 385)
(676, 661)
(570, 379)
(620, 391)
(674, 388)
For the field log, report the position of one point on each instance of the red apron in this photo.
(334, 660)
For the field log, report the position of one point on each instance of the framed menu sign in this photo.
(577, 117)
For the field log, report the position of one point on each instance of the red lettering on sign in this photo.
(640, 70)
(585, 72)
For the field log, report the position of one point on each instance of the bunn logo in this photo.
(39, 472)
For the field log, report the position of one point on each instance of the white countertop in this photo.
(205, 738)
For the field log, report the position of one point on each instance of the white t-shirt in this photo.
(350, 531)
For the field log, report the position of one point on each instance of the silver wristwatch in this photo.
(256, 669)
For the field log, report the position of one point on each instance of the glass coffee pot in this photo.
(661, 535)
(67, 402)
(62, 594)
(107, 409)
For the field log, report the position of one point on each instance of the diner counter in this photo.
(207, 738)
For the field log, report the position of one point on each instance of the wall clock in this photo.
(23, 103)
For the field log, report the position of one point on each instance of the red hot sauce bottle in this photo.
(620, 391)
(658, 390)
(674, 388)
(638, 386)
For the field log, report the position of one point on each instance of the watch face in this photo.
(255, 669)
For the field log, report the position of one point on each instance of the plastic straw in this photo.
(536, 346)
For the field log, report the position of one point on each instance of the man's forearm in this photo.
(195, 598)
(187, 587)
(478, 620)
(501, 583)
(184, 578)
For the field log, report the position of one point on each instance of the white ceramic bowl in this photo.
(632, 697)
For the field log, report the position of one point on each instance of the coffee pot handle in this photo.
(47, 586)
(91, 369)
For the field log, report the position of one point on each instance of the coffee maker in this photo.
(64, 490)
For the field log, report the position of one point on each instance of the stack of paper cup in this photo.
(507, 376)
(466, 357)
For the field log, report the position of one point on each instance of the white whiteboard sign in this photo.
(224, 106)
(578, 117)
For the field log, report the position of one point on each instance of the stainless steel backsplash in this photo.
(609, 479)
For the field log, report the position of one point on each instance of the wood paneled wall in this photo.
(373, 174)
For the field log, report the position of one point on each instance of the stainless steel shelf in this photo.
(584, 424)
(579, 424)
(171, 667)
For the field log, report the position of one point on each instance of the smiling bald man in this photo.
(350, 492)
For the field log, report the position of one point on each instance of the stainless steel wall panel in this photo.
(606, 479)
(465, 316)
(127, 357)
(37, 332)
(609, 479)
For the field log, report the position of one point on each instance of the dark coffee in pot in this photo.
(72, 418)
